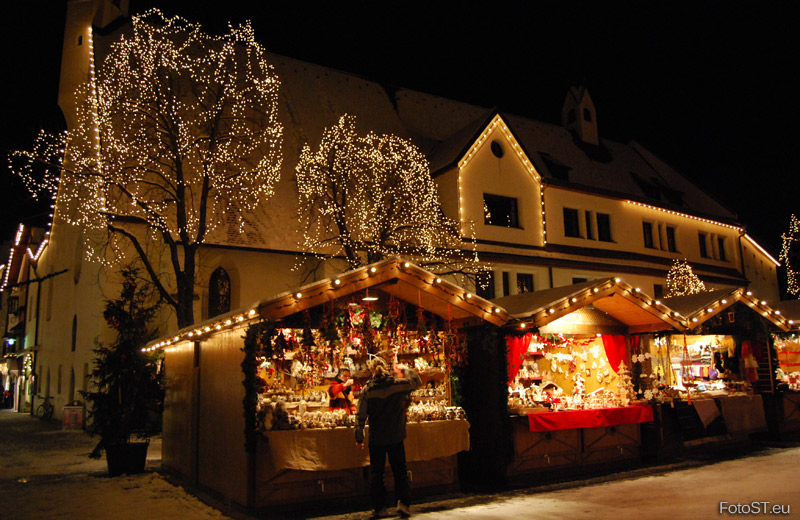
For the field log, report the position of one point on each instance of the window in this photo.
(485, 285)
(500, 211)
(572, 226)
(589, 230)
(587, 115)
(506, 288)
(721, 245)
(604, 227)
(524, 283)
(671, 239)
(219, 293)
(74, 332)
(576, 279)
(647, 230)
(658, 290)
(702, 242)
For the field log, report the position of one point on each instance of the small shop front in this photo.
(259, 405)
(580, 377)
(721, 369)
(787, 348)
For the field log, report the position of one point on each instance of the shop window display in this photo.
(788, 350)
(297, 362)
(562, 372)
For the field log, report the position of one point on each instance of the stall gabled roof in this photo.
(623, 302)
(401, 279)
(696, 309)
(790, 309)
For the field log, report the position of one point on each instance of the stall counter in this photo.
(592, 418)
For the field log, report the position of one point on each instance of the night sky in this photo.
(707, 86)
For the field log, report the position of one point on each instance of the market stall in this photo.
(721, 369)
(580, 382)
(787, 348)
(252, 413)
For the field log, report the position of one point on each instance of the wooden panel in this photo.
(535, 451)
(791, 410)
(177, 453)
(222, 460)
(611, 444)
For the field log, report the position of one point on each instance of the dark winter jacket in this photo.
(382, 401)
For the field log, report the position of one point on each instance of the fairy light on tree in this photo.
(176, 134)
(789, 253)
(370, 197)
(682, 281)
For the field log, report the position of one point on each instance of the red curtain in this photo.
(615, 349)
(517, 346)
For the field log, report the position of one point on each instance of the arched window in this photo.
(74, 332)
(219, 293)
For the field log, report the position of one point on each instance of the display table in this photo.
(595, 418)
(319, 466)
(743, 414)
(331, 449)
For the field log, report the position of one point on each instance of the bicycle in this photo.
(46, 409)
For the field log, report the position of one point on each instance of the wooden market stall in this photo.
(723, 367)
(575, 370)
(787, 349)
(246, 411)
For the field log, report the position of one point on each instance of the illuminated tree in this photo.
(369, 197)
(682, 281)
(790, 252)
(176, 134)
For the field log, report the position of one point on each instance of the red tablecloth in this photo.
(571, 419)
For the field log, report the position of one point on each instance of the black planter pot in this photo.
(127, 458)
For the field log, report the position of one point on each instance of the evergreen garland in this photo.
(257, 343)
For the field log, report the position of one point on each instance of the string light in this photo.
(790, 238)
(682, 281)
(498, 123)
(176, 130)
(372, 197)
(686, 215)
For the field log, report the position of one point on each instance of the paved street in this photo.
(45, 473)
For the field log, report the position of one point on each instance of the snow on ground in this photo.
(45, 474)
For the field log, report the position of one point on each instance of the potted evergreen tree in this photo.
(127, 392)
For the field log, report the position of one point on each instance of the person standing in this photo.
(383, 405)
(341, 392)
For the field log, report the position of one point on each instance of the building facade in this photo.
(550, 205)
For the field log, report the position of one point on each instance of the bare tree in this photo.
(177, 132)
(369, 197)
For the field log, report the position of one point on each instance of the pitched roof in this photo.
(314, 97)
(617, 299)
(695, 309)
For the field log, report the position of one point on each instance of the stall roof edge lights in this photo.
(715, 302)
(384, 275)
(551, 304)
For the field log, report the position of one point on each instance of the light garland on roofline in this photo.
(685, 215)
(290, 301)
(497, 121)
